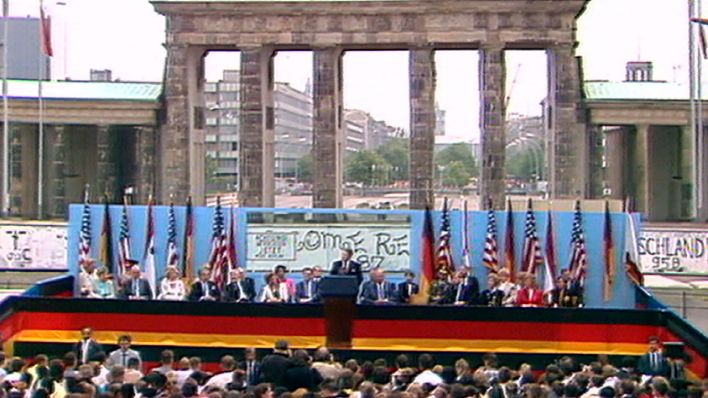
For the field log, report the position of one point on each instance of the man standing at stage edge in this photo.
(347, 266)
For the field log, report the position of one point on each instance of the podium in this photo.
(339, 293)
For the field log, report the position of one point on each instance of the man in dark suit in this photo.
(307, 290)
(653, 363)
(136, 288)
(87, 348)
(469, 280)
(378, 290)
(274, 366)
(407, 288)
(251, 367)
(457, 292)
(241, 289)
(347, 266)
(204, 289)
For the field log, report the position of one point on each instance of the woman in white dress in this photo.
(171, 287)
(273, 291)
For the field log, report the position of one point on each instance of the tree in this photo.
(523, 164)
(458, 152)
(304, 168)
(367, 167)
(455, 174)
(396, 153)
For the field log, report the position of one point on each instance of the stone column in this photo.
(106, 179)
(15, 169)
(327, 128)
(596, 180)
(569, 170)
(422, 113)
(268, 170)
(642, 175)
(256, 158)
(57, 197)
(29, 138)
(492, 125)
(175, 140)
(146, 144)
(615, 158)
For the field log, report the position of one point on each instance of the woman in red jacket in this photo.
(530, 295)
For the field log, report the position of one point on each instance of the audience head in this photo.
(281, 347)
(249, 353)
(204, 273)
(167, 357)
(426, 361)
(307, 273)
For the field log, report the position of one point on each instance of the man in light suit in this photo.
(653, 363)
(307, 290)
(241, 289)
(346, 266)
(378, 290)
(408, 288)
(122, 355)
(204, 289)
(136, 287)
(87, 348)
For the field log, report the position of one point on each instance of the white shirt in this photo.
(428, 376)
(171, 290)
(509, 290)
(220, 380)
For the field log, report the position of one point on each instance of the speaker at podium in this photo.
(339, 293)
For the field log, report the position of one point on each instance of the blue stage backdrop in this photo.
(593, 224)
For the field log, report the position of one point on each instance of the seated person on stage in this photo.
(575, 286)
(103, 287)
(171, 287)
(281, 272)
(469, 280)
(457, 292)
(136, 288)
(529, 295)
(438, 288)
(307, 290)
(492, 296)
(377, 290)
(203, 289)
(273, 291)
(87, 278)
(347, 266)
(561, 296)
(317, 274)
(241, 289)
(408, 288)
(508, 287)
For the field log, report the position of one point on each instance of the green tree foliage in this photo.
(304, 168)
(455, 174)
(396, 153)
(459, 152)
(367, 167)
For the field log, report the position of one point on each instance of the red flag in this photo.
(427, 257)
(631, 261)
(149, 254)
(45, 28)
(231, 241)
(509, 258)
(609, 279)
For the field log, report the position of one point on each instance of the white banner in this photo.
(298, 246)
(33, 247)
(662, 251)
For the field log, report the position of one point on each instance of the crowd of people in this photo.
(90, 372)
(458, 288)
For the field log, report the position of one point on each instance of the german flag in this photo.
(105, 255)
(609, 256)
(509, 258)
(188, 248)
(631, 258)
(427, 258)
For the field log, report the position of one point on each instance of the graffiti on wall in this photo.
(663, 251)
(298, 246)
(33, 247)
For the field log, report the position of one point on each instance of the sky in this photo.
(126, 36)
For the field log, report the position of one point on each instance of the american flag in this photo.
(444, 255)
(490, 258)
(85, 235)
(532, 249)
(172, 256)
(124, 241)
(219, 247)
(578, 255)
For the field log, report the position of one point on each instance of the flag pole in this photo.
(5, 111)
(40, 138)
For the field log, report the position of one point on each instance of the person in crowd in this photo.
(490, 367)
(250, 366)
(103, 286)
(347, 266)
(407, 288)
(299, 373)
(171, 286)
(653, 363)
(457, 292)
(306, 291)
(426, 363)
(439, 287)
(462, 370)
(87, 278)
(221, 379)
(281, 272)
(274, 366)
(325, 364)
(530, 295)
(492, 296)
(87, 348)
(317, 274)
(100, 368)
(132, 371)
(137, 287)
(508, 287)
(470, 282)
(124, 352)
(167, 361)
(241, 289)
(377, 290)
(183, 371)
(204, 289)
(273, 291)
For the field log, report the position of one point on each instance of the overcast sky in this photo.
(127, 35)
